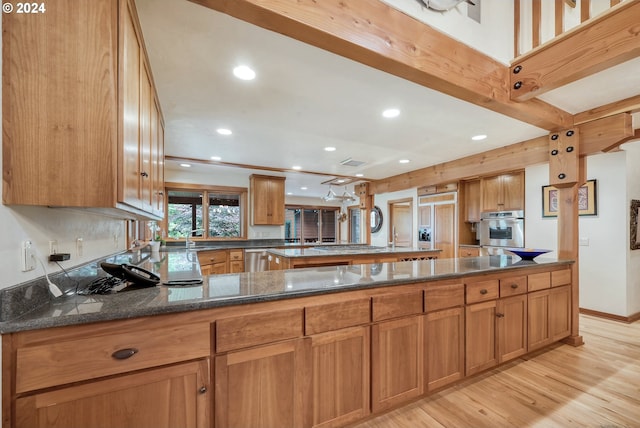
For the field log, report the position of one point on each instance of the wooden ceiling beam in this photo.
(595, 137)
(377, 35)
(631, 104)
(605, 41)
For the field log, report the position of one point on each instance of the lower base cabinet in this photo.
(549, 318)
(480, 337)
(340, 362)
(267, 386)
(512, 327)
(445, 347)
(397, 361)
(173, 396)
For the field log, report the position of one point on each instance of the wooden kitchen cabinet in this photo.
(133, 400)
(512, 327)
(236, 261)
(480, 336)
(397, 365)
(466, 251)
(503, 192)
(445, 347)
(266, 386)
(84, 136)
(267, 200)
(213, 262)
(472, 200)
(549, 318)
(340, 370)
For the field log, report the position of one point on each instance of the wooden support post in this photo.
(566, 172)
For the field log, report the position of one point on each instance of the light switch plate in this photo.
(583, 241)
(27, 256)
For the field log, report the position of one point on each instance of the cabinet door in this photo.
(146, 129)
(236, 266)
(491, 193)
(397, 364)
(481, 346)
(538, 320)
(267, 386)
(445, 233)
(267, 196)
(559, 313)
(181, 392)
(445, 347)
(340, 376)
(276, 190)
(513, 191)
(472, 200)
(157, 159)
(512, 327)
(130, 116)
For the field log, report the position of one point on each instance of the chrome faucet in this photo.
(189, 243)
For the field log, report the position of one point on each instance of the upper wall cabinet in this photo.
(503, 192)
(82, 123)
(267, 200)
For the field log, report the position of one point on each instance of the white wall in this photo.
(633, 257)
(603, 262)
(382, 238)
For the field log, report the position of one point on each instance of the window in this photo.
(310, 224)
(225, 209)
(354, 224)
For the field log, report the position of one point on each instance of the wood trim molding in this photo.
(630, 319)
(375, 34)
(559, 17)
(599, 43)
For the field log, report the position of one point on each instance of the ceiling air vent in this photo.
(351, 162)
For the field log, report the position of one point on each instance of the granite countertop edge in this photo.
(31, 321)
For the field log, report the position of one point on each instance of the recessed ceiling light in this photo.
(479, 137)
(391, 112)
(330, 149)
(340, 181)
(244, 73)
(303, 188)
(289, 193)
(216, 158)
(296, 167)
(185, 165)
(224, 131)
(404, 161)
(359, 175)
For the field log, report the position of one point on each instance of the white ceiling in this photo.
(305, 99)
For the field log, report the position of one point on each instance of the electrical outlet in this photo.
(53, 247)
(27, 256)
(79, 245)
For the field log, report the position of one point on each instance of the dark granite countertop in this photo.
(234, 289)
(344, 250)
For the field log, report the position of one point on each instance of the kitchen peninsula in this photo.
(290, 348)
(333, 255)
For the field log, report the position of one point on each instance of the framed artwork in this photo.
(587, 200)
(635, 235)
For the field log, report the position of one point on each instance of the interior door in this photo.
(402, 221)
(445, 234)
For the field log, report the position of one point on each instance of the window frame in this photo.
(243, 192)
(317, 207)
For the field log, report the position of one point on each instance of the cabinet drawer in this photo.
(468, 252)
(334, 316)
(482, 291)
(235, 255)
(211, 257)
(513, 285)
(75, 360)
(258, 329)
(443, 296)
(538, 281)
(560, 277)
(396, 305)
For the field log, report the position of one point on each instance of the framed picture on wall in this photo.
(587, 200)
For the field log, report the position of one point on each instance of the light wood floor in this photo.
(595, 385)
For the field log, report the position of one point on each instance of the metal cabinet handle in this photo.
(202, 390)
(514, 286)
(483, 291)
(499, 315)
(123, 354)
(144, 174)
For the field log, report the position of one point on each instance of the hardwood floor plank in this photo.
(594, 385)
